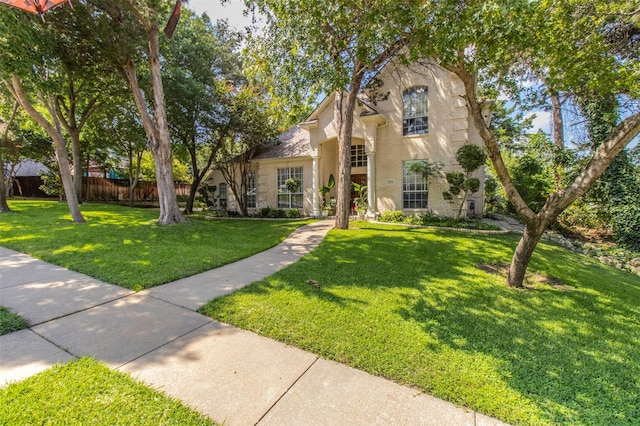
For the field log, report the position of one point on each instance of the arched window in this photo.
(415, 111)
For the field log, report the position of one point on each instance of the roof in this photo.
(30, 168)
(293, 143)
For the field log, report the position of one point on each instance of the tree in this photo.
(470, 158)
(335, 47)
(4, 138)
(251, 126)
(119, 123)
(29, 75)
(517, 47)
(121, 29)
(201, 67)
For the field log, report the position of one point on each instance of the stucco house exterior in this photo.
(422, 117)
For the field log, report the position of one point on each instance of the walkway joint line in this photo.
(287, 390)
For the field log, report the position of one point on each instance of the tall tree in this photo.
(251, 126)
(6, 123)
(129, 33)
(29, 69)
(119, 124)
(331, 46)
(518, 46)
(202, 65)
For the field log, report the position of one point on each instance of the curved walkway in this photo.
(231, 375)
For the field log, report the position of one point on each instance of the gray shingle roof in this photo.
(292, 143)
(30, 168)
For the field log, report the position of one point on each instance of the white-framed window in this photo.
(223, 195)
(290, 197)
(358, 156)
(251, 190)
(415, 111)
(415, 192)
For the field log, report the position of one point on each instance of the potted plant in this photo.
(328, 206)
(360, 202)
(292, 184)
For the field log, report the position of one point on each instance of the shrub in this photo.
(293, 213)
(626, 226)
(268, 212)
(264, 212)
(392, 216)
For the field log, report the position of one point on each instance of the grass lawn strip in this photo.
(125, 246)
(10, 322)
(412, 305)
(86, 392)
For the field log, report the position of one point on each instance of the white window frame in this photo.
(415, 188)
(286, 199)
(415, 111)
(358, 156)
(251, 190)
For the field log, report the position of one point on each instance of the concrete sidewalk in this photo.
(231, 375)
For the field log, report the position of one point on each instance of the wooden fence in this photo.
(98, 189)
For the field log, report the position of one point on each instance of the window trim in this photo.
(223, 201)
(415, 113)
(286, 199)
(421, 187)
(358, 155)
(252, 193)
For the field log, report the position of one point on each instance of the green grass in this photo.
(86, 392)
(412, 305)
(10, 322)
(126, 247)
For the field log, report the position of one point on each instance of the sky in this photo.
(231, 10)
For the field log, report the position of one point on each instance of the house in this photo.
(421, 116)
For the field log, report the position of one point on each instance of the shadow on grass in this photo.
(126, 247)
(391, 301)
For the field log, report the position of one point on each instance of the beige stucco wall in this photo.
(449, 129)
(267, 182)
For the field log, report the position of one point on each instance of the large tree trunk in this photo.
(157, 131)
(344, 117)
(532, 233)
(161, 149)
(55, 132)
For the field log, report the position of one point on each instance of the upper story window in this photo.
(358, 156)
(415, 111)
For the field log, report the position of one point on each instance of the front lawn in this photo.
(10, 322)
(412, 305)
(85, 392)
(125, 246)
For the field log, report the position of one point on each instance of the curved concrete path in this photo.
(231, 375)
